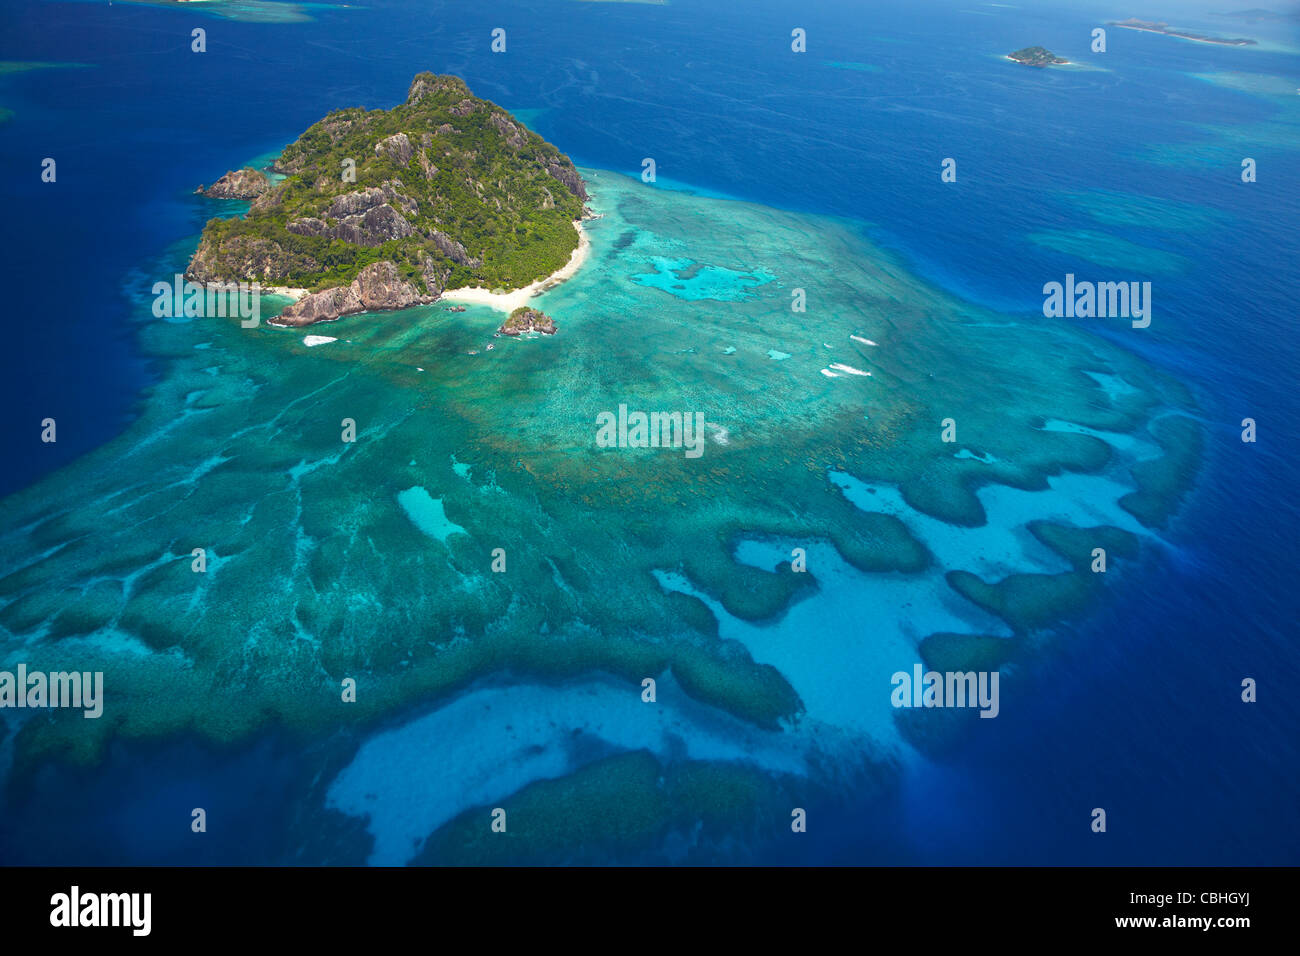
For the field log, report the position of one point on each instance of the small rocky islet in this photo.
(524, 319)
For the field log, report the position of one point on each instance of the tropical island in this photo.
(1150, 26)
(1036, 56)
(385, 209)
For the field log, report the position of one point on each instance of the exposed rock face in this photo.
(420, 86)
(452, 249)
(377, 287)
(396, 147)
(379, 225)
(525, 319)
(427, 166)
(249, 257)
(435, 275)
(246, 183)
(569, 176)
(426, 83)
(366, 217)
(515, 136)
(373, 228)
(267, 201)
(363, 200)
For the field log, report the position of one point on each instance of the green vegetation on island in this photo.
(444, 190)
(1036, 56)
(524, 319)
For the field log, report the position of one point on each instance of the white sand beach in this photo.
(284, 290)
(504, 301)
(509, 301)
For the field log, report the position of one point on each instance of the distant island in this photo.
(385, 209)
(1257, 15)
(1149, 26)
(1036, 56)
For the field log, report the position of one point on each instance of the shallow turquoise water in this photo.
(370, 559)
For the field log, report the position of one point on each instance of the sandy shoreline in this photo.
(284, 290)
(1023, 63)
(509, 301)
(502, 301)
(1217, 41)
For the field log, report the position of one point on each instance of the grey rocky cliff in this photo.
(246, 183)
(249, 256)
(568, 175)
(396, 147)
(379, 287)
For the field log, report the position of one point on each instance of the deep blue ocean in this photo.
(1140, 711)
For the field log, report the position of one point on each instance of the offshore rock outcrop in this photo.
(246, 183)
(524, 319)
(377, 288)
